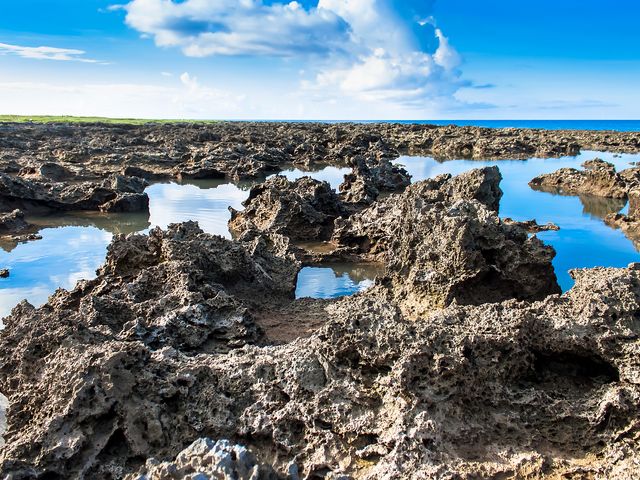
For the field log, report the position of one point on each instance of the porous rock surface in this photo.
(442, 242)
(369, 178)
(250, 150)
(302, 210)
(511, 389)
(117, 194)
(599, 178)
(13, 223)
(205, 459)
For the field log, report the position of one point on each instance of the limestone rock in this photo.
(301, 210)
(598, 178)
(205, 459)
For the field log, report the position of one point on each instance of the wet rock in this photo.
(598, 178)
(531, 226)
(13, 223)
(630, 223)
(112, 194)
(205, 459)
(442, 245)
(251, 150)
(4, 273)
(301, 210)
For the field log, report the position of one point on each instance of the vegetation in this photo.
(70, 119)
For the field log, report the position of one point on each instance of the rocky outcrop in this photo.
(532, 226)
(442, 244)
(511, 389)
(629, 223)
(205, 459)
(253, 150)
(599, 178)
(13, 223)
(369, 178)
(4, 273)
(117, 194)
(301, 210)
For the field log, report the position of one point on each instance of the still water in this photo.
(74, 246)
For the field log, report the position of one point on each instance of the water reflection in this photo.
(583, 240)
(336, 280)
(74, 244)
(333, 175)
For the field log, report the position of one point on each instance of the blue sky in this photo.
(321, 59)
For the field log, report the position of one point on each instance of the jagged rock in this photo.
(301, 210)
(47, 171)
(4, 273)
(13, 223)
(251, 150)
(442, 245)
(598, 178)
(205, 459)
(532, 226)
(630, 223)
(31, 194)
(514, 389)
(365, 182)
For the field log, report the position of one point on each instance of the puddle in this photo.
(336, 280)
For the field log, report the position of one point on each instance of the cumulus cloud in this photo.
(375, 50)
(45, 53)
(237, 27)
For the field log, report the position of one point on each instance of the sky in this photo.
(321, 59)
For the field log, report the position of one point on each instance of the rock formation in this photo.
(13, 223)
(598, 178)
(205, 459)
(442, 244)
(116, 194)
(301, 210)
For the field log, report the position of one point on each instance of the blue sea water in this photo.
(613, 125)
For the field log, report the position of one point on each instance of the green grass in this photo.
(70, 119)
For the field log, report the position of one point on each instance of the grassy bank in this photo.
(70, 119)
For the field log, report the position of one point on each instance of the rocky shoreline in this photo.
(188, 353)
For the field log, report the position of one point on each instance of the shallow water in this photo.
(336, 280)
(74, 245)
(583, 240)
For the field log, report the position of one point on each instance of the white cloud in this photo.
(45, 53)
(240, 27)
(373, 50)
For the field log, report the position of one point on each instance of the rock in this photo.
(442, 246)
(205, 459)
(13, 223)
(301, 210)
(4, 273)
(110, 194)
(363, 185)
(47, 171)
(252, 150)
(127, 202)
(531, 226)
(519, 389)
(598, 178)
(630, 223)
